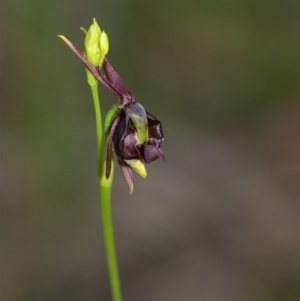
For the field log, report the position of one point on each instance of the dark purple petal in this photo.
(117, 83)
(94, 70)
(130, 150)
(152, 153)
(120, 134)
(111, 80)
(127, 173)
(155, 129)
(109, 146)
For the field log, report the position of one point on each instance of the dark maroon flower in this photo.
(135, 134)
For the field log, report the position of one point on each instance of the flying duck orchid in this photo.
(134, 134)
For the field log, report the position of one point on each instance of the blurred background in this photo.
(219, 220)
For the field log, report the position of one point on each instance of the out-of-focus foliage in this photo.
(220, 219)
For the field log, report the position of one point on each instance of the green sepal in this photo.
(109, 119)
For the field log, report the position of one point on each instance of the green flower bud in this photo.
(104, 46)
(96, 47)
(91, 44)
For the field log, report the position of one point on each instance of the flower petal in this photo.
(155, 129)
(152, 153)
(138, 116)
(109, 146)
(128, 176)
(117, 84)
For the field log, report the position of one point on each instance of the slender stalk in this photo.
(110, 244)
(99, 130)
(105, 192)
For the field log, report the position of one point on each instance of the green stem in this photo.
(100, 140)
(105, 192)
